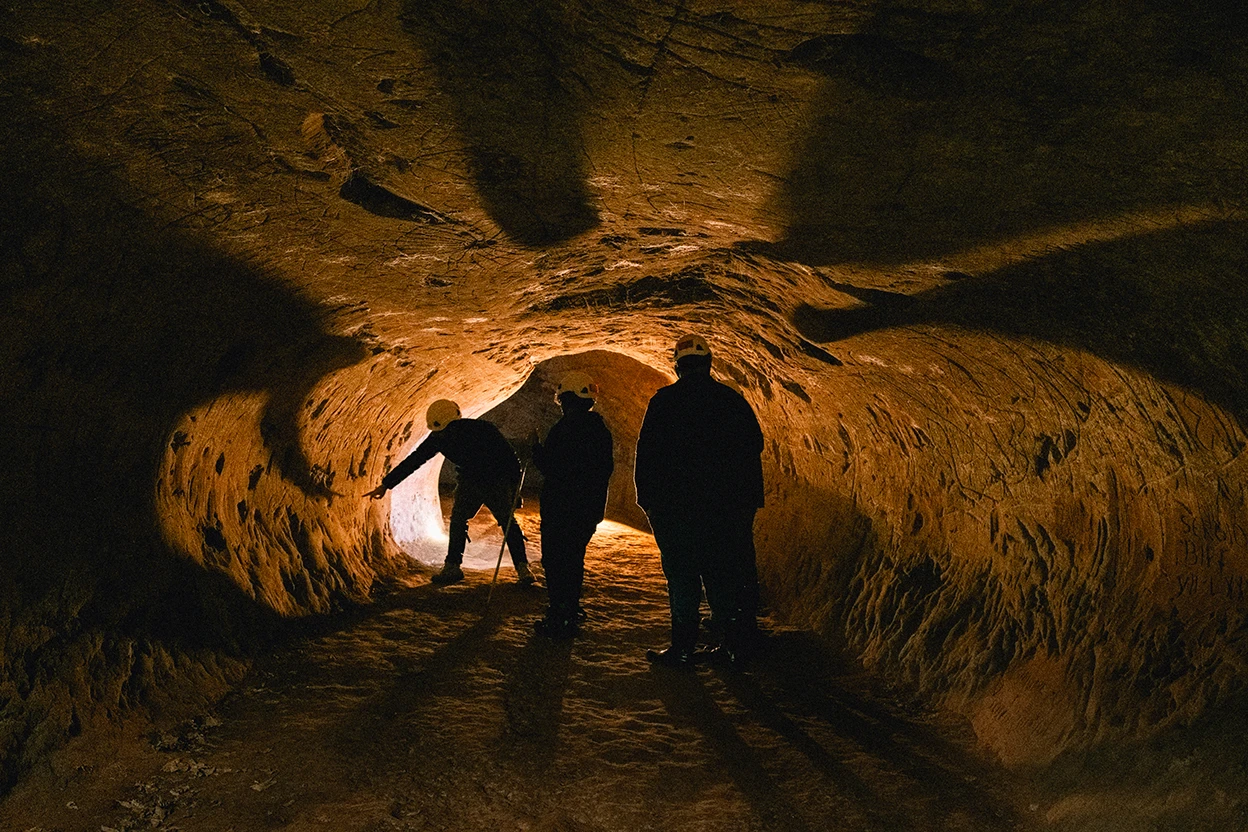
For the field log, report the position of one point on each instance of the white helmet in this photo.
(691, 345)
(441, 413)
(578, 384)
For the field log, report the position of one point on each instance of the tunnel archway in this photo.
(419, 505)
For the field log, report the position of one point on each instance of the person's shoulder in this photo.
(477, 426)
(668, 389)
(666, 393)
(728, 391)
(460, 425)
(708, 389)
(734, 399)
(585, 420)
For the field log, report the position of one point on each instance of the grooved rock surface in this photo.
(979, 266)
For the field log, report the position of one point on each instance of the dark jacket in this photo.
(477, 448)
(699, 450)
(576, 461)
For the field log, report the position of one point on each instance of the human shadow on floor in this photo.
(533, 703)
(412, 684)
(688, 702)
(795, 677)
(843, 776)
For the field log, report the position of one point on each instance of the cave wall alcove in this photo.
(980, 267)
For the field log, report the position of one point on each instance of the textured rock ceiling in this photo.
(979, 265)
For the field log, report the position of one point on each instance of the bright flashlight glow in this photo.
(416, 515)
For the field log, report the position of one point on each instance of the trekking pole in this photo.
(511, 518)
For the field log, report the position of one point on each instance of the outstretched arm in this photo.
(424, 452)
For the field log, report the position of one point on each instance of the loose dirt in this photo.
(432, 711)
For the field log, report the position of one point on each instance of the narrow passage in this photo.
(429, 712)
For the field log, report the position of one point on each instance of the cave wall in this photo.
(980, 268)
(1056, 548)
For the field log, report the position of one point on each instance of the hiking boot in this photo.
(450, 574)
(675, 657)
(556, 628)
(524, 576)
(724, 656)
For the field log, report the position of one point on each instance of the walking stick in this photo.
(511, 518)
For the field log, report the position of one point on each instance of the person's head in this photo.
(575, 391)
(692, 356)
(441, 413)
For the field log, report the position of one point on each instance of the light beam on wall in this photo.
(418, 527)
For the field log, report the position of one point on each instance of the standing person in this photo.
(489, 475)
(700, 481)
(576, 462)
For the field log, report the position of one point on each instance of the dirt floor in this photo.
(432, 710)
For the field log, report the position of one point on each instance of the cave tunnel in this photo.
(421, 504)
(979, 266)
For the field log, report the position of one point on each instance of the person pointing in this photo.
(488, 474)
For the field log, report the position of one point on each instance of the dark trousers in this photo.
(706, 551)
(497, 496)
(563, 562)
(748, 600)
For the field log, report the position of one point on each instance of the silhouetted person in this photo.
(488, 473)
(576, 462)
(700, 481)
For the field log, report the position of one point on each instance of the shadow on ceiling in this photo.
(511, 69)
(1169, 303)
(936, 132)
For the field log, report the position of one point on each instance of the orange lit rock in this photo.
(981, 274)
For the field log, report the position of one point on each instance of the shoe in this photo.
(675, 657)
(524, 576)
(726, 657)
(450, 574)
(556, 628)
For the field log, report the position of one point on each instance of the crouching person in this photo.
(488, 473)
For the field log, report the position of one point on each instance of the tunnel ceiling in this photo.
(979, 265)
(513, 182)
(398, 162)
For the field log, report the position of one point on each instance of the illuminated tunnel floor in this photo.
(426, 712)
